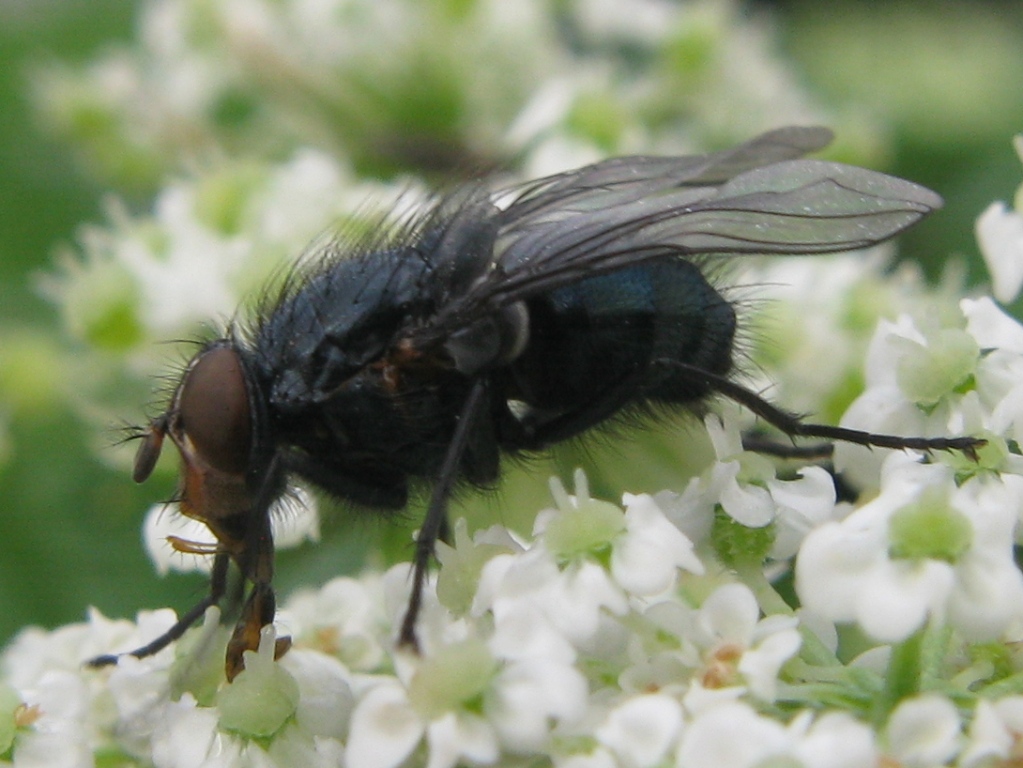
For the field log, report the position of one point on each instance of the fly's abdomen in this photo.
(613, 338)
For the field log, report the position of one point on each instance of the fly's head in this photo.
(210, 422)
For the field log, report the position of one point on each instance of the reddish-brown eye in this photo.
(214, 409)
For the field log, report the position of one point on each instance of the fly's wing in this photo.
(624, 211)
(791, 207)
(621, 179)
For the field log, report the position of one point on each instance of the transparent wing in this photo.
(620, 180)
(751, 199)
(791, 207)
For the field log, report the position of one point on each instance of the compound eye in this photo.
(214, 410)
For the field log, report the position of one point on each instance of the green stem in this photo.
(770, 602)
(1007, 686)
(813, 651)
(902, 678)
(933, 648)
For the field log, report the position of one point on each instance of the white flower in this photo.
(924, 731)
(459, 737)
(718, 652)
(529, 697)
(191, 739)
(574, 601)
(737, 647)
(646, 559)
(1000, 370)
(186, 278)
(464, 558)
(641, 730)
(565, 578)
(927, 380)
(385, 728)
(468, 706)
(994, 733)
(920, 366)
(993, 328)
(832, 740)
(744, 484)
(61, 734)
(845, 294)
(553, 659)
(801, 506)
(923, 548)
(524, 630)
(343, 618)
(327, 699)
(734, 735)
(1000, 237)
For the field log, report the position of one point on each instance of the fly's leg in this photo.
(793, 426)
(259, 610)
(218, 585)
(769, 447)
(436, 512)
(256, 562)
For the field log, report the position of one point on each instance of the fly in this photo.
(485, 328)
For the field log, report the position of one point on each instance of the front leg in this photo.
(259, 610)
(218, 585)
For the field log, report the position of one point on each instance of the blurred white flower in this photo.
(735, 735)
(60, 735)
(924, 731)
(1000, 237)
(641, 731)
(575, 601)
(344, 618)
(924, 548)
(530, 698)
(994, 734)
(385, 727)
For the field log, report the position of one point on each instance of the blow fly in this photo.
(498, 322)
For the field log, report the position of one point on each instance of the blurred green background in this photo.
(947, 77)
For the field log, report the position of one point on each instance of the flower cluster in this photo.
(600, 638)
(398, 84)
(636, 636)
